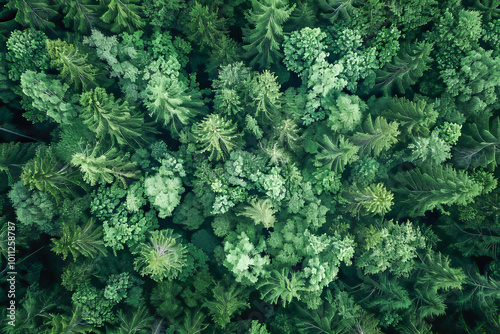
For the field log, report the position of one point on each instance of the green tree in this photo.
(261, 211)
(436, 273)
(406, 68)
(123, 15)
(72, 64)
(335, 154)
(45, 173)
(13, 156)
(162, 257)
(415, 118)
(135, 323)
(205, 27)
(171, 102)
(35, 13)
(78, 240)
(434, 186)
(282, 286)
(301, 48)
(67, 324)
(373, 199)
(264, 38)
(48, 95)
(226, 303)
(109, 117)
(26, 51)
(104, 167)
(266, 95)
(390, 246)
(478, 145)
(378, 135)
(216, 135)
(81, 15)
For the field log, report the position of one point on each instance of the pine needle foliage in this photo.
(265, 36)
(79, 240)
(406, 68)
(373, 199)
(435, 186)
(217, 136)
(379, 135)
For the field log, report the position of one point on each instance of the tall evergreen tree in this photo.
(265, 36)
(216, 135)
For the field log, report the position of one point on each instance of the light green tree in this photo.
(378, 135)
(216, 135)
(163, 257)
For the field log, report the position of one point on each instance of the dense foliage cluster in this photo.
(251, 166)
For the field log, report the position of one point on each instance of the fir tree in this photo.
(123, 15)
(378, 135)
(264, 38)
(216, 135)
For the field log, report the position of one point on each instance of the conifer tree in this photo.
(261, 211)
(205, 27)
(281, 285)
(378, 135)
(216, 135)
(335, 154)
(72, 64)
(123, 15)
(374, 199)
(116, 119)
(104, 167)
(81, 15)
(78, 240)
(35, 13)
(265, 36)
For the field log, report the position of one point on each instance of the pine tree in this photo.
(162, 257)
(171, 102)
(267, 18)
(67, 324)
(416, 118)
(123, 15)
(265, 92)
(205, 27)
(13, 156)
(438, 275)
(406, 68)
(216, 135)
(116, 119)
(137, 322)
(45, 173)
(226, 302)
(78, 240)
(281, 286)
(373, 199)
(435, 186)
(478, 145)
(104, 167)
(379, 135)
(35, 13)
(335, 154)
(72, 64)
(79, 14)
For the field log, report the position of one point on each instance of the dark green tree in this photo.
(35, 13)
(123, 15)
(265, 36)
(205, 27)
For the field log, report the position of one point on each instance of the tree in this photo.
(104, 167)
(378, 135)
(267, 18)
(123, 15)
(162, 257)
(72, 64)
(478, 145)
(70, 324)
(261, 211)
(205, 27)
(373, 199)
(109, 117)
(45, 173)
(335, 154)
(415, 118)
(79, 14)
(265, 92)
(35, 13)
(301, 48)
(280, 286)
(26, 51)
(226, 302)
(136, 322)
(437, 274)
(489, 8)
(13, 156)
(216, 135)
(406, 68)
(434, 186)
(78, 240)
(48, 95)
(171, 102)
(164, 188)
(390, 246)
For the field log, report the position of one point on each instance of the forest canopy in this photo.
(249, 166)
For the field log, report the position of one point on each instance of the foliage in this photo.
(162, 257)
(281, 287)
(264, 38)
(261, 211)
(122, 15)
(373, 199)
(226, 303)
(216, 135)
(79, 240)
(26, 51)
(301, 48)
(378, 135)
(35, 13)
